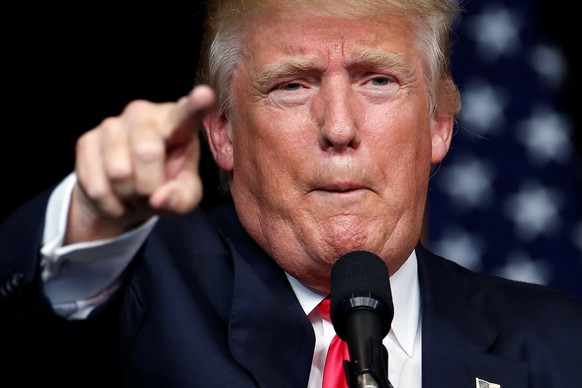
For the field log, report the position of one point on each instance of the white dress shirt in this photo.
(79, 277)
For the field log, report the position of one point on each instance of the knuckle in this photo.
(110, 126)
(119, 172)
(138, 108)
(148, 151)
(85, 141)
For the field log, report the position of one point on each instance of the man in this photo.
(326, 121)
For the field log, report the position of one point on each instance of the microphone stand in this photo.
(375, 374)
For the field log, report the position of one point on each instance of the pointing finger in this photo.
(185, 119)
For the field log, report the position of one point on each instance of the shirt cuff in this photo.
(79, 277)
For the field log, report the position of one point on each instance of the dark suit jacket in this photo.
(203, 306)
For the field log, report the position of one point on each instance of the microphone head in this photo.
(360, 280)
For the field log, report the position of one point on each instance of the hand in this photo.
(138, 164)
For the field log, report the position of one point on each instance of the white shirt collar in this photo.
(405, 296)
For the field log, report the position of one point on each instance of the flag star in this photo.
(458, 245)
(495, 31)
(483, 108)
(546, 135)
(549, 63)
(534, 211)
(521, 267)
(468, 181)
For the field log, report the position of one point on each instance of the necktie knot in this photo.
(323, 308)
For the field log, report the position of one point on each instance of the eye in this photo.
(379, 87)
(290, 86)
(292, 93)
(380, 81)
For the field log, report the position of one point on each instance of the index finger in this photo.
(185, 119)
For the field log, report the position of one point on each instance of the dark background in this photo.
(67, 68)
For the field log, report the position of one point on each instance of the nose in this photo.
(337, 112)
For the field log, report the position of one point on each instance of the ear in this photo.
(441, 135)
(218, 133)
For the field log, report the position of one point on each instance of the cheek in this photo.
(269, 152)
(400, 136)
(403, 152)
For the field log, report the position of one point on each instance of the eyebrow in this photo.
(368, 58)
(289, 66)
(378, 59)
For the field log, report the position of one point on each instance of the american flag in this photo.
(507, 198)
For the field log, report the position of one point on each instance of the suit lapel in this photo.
(455, 338)
(269, 334)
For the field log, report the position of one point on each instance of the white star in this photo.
(468, 182)
(521, 267)
(534, 211)
(483, 108)
(549, 63)
(546, 135)
(461, 247)
(496, 32)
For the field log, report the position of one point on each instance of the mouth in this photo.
(341, 187)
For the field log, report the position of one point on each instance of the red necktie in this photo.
(333, 374)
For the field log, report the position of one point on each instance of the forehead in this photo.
(321, 36)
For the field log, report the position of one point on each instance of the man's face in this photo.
(332, 141)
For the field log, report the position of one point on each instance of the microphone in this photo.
(361, 311)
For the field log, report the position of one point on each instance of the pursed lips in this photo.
(341, 187)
